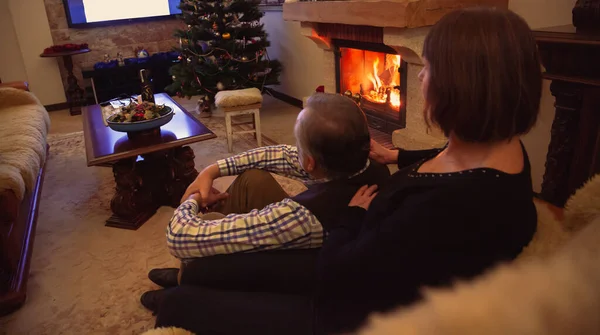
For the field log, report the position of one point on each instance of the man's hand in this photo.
(213, 198)
(203, 185)
(381, 154)
(363, 197)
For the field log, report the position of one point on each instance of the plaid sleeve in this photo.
(282, 225)
(279, 159)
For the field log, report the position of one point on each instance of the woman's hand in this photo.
(363, 197)
(381, 154)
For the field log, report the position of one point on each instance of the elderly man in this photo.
(331, 158)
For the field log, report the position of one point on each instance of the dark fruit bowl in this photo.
(130, 127)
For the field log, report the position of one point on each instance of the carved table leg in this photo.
(132, 204)
(182, 173)
(75, 94)
(161, 178)
(555, 187)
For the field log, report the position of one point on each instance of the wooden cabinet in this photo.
(572, 61)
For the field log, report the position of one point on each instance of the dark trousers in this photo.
(205, 311)
(254, 293)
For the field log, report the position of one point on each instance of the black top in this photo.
(422, 229)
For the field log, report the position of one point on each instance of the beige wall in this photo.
(542, 13)
(33, 33)
(302, 60)
(12, 67)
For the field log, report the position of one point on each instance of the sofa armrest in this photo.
(22, 85)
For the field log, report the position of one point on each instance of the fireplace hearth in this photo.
(374, 75)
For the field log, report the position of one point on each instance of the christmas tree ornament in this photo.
(226, 36)
(217, 34)
(220, 86)
(215, 26)
(204, 107)
(174, 78)
(203, 45)
(244, 59)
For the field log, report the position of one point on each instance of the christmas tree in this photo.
(223, 48)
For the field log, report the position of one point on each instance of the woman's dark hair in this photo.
(335, 133)
(485, 79)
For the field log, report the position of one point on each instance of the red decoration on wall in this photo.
(65, 48)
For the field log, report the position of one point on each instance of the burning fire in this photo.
(380, 90)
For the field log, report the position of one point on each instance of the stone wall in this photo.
(154, 36)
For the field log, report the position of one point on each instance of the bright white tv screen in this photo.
(89, 12)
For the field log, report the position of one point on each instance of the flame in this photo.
(379, 92)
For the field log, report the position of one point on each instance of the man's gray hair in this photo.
(335, 133)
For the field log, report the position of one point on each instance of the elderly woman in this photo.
(449, 213)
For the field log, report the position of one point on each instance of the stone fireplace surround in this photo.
(399, 24)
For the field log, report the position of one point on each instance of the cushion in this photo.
(14, 97)
(245, 97)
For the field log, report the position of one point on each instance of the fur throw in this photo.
(584, 205)
(247, 96)
(23, 130)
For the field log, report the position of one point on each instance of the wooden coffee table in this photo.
(151, 169)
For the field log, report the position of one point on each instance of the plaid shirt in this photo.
(282, 225)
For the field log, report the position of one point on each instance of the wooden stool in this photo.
(253, 109)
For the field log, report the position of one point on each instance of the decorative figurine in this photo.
(142, 53)
(120, 59)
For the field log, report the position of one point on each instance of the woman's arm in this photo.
(402, 157)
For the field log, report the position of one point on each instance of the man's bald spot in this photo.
(312, 122)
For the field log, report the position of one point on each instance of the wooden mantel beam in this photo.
(379, 13)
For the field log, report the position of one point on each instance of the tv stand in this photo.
(109, 83)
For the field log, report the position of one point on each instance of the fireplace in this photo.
(375, 76)
(356, 34)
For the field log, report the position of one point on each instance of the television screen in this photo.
(99, 12)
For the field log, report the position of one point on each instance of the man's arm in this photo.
(282, 225)
(280, 159)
